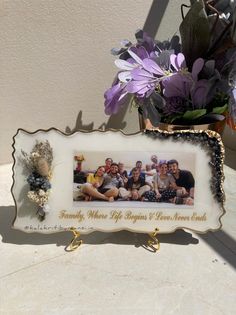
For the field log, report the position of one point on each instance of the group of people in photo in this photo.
(159, 181)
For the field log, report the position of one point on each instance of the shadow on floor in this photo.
(223, 244)
(12, 236)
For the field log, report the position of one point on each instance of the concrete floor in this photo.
(114, 273)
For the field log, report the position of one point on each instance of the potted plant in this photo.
(187, 81)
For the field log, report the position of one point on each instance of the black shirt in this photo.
(185, 179)
(124, 174)
(131, 184)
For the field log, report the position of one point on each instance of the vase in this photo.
(217, 126)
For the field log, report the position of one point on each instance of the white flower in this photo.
(41, 193)
(35, 155)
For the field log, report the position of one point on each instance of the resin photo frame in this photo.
(108, 181)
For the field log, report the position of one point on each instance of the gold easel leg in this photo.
(153, 242)
(75, 242)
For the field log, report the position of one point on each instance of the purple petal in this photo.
(112, 91)
(141, 52)
(124, 65)
(114, 97)
(145, 40)
(180, 61)
(148, 42)
(154, 55)
(124, 76)
(146, 90)
(131, 60)
(152, 67)
(135, 86)
(173, 62)
(197, 67)
(140, 74)
(199, 94)
(135, 57)
(139, 87)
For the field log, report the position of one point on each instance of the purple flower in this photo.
(186, 85)
(145, 80)
(114, 98)
(175, 105)
(183, 86)
(156, 74)
(177, 85)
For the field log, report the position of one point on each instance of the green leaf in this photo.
(194, 114)
(173, 118)
(195, 33)
(220, 110)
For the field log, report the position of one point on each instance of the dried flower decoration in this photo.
(39, 164)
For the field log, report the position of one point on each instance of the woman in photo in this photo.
(164, 186)
(94, 181)
(107, 165)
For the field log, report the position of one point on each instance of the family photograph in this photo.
(135, 176)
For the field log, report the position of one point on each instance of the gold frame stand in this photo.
(153, 242)
(76, 242)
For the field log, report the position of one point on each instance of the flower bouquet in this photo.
(39, 165)
(189, 79)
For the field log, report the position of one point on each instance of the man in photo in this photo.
(184, 180)
(123, 173)
(139, 165)
(154, 160)
(136, 187)
(112, 182)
